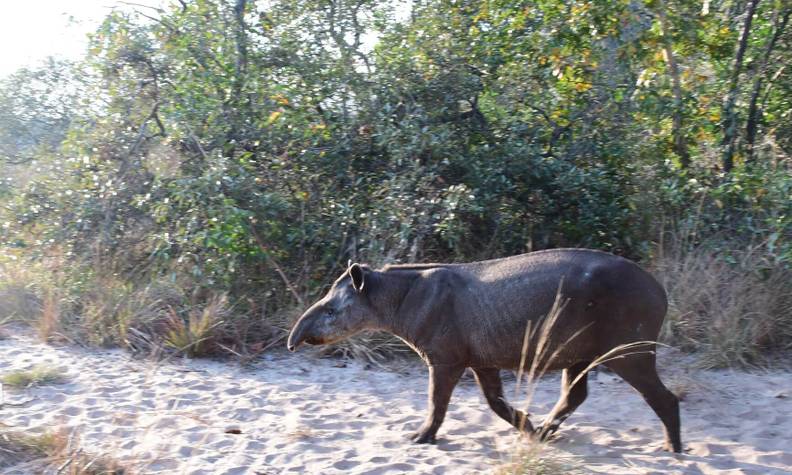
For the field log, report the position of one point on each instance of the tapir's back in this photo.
(607, 301)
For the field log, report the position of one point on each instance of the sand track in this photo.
(299, 414)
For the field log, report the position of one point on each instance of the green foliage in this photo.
(254, 151)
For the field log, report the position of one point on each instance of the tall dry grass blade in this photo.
(523, 356)
(535, 360)
(614, 354)
(48, 323)
(543, 355)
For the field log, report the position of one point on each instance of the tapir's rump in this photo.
(476, 315)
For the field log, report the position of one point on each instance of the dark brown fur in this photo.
(475, 315)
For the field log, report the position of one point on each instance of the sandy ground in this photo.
(299, 414)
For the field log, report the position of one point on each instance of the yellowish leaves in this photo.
(483, 14)
(704, 135)
(569, 76)
(273, 117)
(580, 8)
(582, 86)
(559, 116)
(280, 99)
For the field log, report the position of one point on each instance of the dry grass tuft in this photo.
(194, 334)
(90, 304)
(374, 348)
(536, 458)
(48, 324)
(731, 309)
(37, 376)
(250, 330)
(16, 448)
(51, 452)
(19, 299)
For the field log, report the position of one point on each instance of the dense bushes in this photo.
(209, 167)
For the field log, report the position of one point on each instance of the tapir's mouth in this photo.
(310, 340)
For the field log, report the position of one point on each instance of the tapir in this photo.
(477, 315)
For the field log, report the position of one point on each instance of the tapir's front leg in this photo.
(442, 379)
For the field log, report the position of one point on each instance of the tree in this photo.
(730, 121)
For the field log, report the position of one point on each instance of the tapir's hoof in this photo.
(423, 438)
(543, 433)
(669, 447)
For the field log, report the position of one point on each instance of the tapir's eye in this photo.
(330, 313)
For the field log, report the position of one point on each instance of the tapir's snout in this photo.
(305, 331)
(299, 333)
(315, 327)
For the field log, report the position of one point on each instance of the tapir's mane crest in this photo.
(395, 267)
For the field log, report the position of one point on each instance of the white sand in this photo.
(299, 414)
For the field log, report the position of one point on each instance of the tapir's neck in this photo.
(389, 289)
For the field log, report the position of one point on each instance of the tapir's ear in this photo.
(356, 272)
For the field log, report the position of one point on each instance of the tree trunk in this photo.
(680, 141)
(237, 104)
(240, 65)
(754, 113)
(729, 114)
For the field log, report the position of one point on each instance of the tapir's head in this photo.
(342, 312)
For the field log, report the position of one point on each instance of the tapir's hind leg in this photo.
(571, 398)
(640, 372)
(490, 383)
